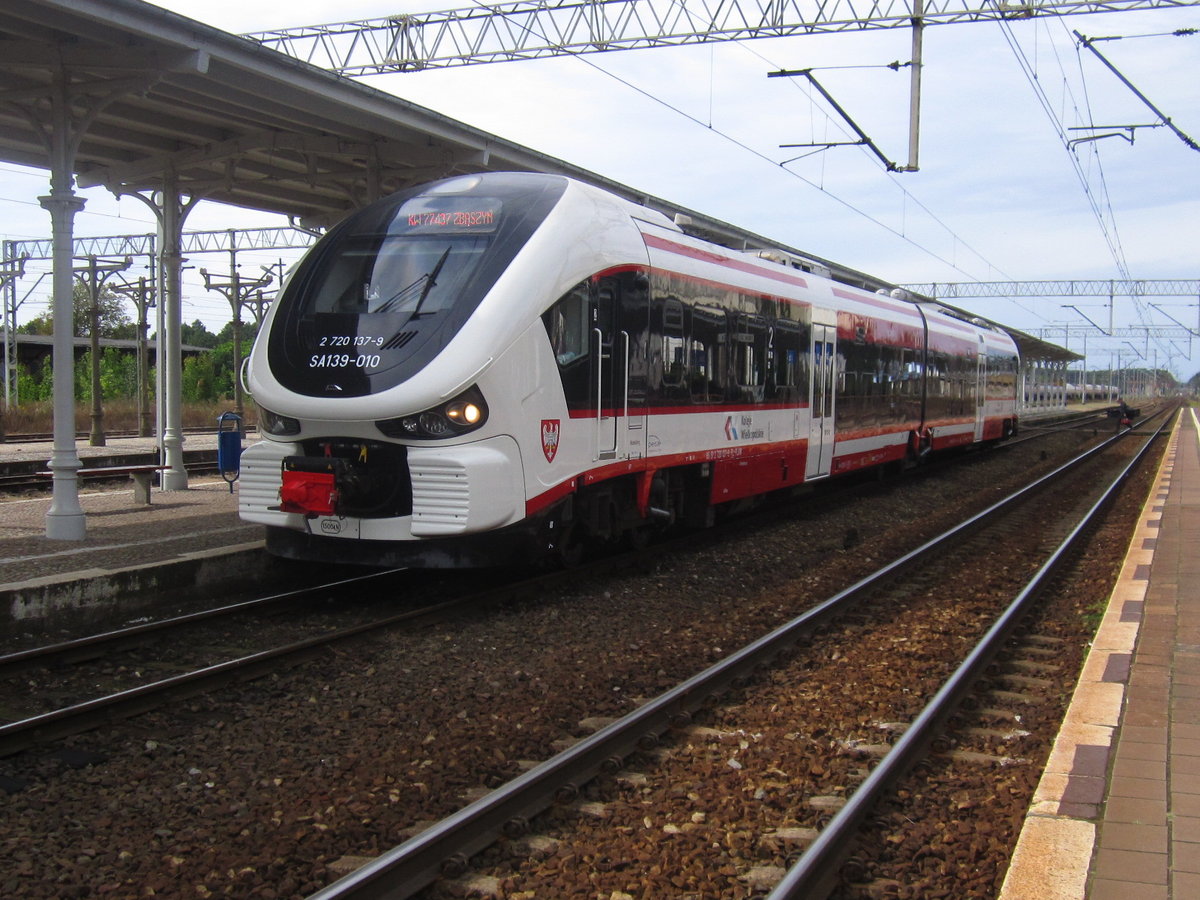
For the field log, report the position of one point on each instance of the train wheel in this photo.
(569, 550)
(638, 537)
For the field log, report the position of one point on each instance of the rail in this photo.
(445, 847)
(814, 875)
(80, 717)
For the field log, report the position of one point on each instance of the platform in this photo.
(180, 541)
(1117, 811)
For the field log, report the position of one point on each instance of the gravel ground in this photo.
(260, 791)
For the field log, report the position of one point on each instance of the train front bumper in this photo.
(456, 490)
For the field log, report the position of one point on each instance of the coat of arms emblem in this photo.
(550, 432)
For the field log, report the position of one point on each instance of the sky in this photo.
(998, 195)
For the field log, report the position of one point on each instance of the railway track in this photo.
(20, 475)
(207, 652)
(25, 480)
(202, 661)
(458, 698)
(507, 811)
(34, 437)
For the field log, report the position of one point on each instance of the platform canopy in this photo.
(235, 123)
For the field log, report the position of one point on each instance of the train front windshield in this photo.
(383, 292)
(412, 265)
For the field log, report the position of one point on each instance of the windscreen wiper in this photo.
(432, 276)
(401, 295)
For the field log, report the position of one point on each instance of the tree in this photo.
(249, 333)
(199, 379)
(114, 320)
(197, 335)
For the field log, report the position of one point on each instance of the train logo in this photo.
(551, 429)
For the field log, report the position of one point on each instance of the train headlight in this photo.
(433, 424)
(277, 425)
(464, 413)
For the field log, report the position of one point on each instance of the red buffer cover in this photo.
(308, 493)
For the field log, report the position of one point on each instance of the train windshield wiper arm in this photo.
(431, 280)
(427, 281)
(401, 295)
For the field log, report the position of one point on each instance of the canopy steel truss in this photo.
(540, 28)
(193, 242)
(123, 245)
(1053, 332)
(1115, 287)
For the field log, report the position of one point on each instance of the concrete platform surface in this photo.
(181, 541)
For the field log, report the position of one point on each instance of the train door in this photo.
(619, 428)
(822, 395)
(981, 378)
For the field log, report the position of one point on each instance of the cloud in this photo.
(997, 196)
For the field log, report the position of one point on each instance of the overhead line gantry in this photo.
(533, 29)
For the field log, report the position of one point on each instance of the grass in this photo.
(119, 415)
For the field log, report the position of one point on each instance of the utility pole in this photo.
(10, 271)
(12, 396)
(92, 277)
(257, 304)
(142, 295)
(237, 291)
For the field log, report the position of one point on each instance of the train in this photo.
(511, 368)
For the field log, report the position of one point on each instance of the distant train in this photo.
(507, 367)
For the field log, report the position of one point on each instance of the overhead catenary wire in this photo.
(894, 181)
(1099, 199)
(1112, 239)
(775, 164)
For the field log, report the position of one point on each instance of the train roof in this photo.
(1028, 346)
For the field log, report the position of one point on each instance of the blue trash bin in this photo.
(229, 447)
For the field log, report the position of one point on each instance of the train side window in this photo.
(786, 358)
(568, 324)
(750, 338)
(706, 365)
(674, 344)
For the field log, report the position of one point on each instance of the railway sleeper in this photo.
(1011, 734)
(996, 714)
(635, 780)
(784, 840)
(1024, 681)
(344, 865)
(861, 749)
(476, 886)
(1033, 666)
(1014, 697)
(1044, 652)
(977, 758)
(1042, 640)
(825, 802)
(592, 808)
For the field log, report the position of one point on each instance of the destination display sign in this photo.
(447, 215)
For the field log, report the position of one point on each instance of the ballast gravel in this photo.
(271, 789)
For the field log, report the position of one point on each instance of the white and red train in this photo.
(500, 367)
